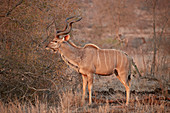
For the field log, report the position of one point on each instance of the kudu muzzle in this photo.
(53, 46)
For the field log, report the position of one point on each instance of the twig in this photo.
(9, 12)
(47, 32)
(37, 89)
(10, 90)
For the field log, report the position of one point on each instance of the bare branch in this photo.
(9, 12)
(49, 25)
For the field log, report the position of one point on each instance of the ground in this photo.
(147, 95)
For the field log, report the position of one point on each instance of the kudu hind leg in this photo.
(127, 87)
(127, 94)
(125, 82)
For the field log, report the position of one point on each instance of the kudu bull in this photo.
(90, 59)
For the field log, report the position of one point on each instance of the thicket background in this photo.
(26, 68)
(28, 71)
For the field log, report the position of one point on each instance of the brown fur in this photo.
(90, 59)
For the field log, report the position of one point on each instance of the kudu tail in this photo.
(133, 63)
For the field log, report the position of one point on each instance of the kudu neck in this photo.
(69, 50)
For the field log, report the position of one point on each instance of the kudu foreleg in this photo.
(84, 77)
(90, 84)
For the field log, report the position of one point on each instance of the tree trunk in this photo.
(154, 39)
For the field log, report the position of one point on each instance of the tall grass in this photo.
(70, 102)
(17, 107)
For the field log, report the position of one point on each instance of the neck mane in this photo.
(86, 46)
(72, 44)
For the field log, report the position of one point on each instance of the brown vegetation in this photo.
(33, 79)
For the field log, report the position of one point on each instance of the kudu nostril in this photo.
(47, 48)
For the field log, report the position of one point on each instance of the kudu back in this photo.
(90, 60)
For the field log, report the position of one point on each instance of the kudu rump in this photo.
(90, 59)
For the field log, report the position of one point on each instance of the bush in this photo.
(27, 70)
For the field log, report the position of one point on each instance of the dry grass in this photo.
(17, 107)
(71, 102)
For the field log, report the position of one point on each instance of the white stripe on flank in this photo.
(115, 58)
(120, 60)
(105, 60)
(98, 59)
(109, 60)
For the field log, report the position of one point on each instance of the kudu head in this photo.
(62, 36)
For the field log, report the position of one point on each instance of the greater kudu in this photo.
(90, 59)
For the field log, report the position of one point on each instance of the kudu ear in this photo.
(66, 38)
